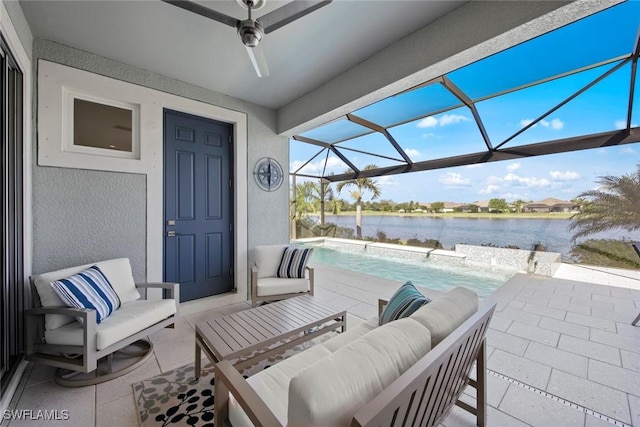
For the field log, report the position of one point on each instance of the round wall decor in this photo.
(268, 174)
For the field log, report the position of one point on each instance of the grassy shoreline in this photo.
(532, 215)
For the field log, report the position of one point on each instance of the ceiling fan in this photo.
(251, 31)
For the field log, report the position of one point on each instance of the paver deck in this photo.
(594, 365)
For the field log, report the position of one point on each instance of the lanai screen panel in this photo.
(596, 54)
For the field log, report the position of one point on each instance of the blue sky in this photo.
(602, 108)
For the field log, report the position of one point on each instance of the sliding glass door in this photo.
(13, 295)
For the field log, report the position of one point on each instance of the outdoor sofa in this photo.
(75, 339)
(410, 371)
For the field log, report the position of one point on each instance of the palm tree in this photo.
(614, 204)
(362, 185)
(306, 198)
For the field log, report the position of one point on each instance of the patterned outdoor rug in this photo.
(175, 398)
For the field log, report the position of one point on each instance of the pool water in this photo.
(437, 276)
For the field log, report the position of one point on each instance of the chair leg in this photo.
(481, 391)
(636, 320)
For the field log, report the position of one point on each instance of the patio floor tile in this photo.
(524, 370)
(119, 412)
(507, 342)
(590, 349)
(79, 401)
(634, 404)
(121, 386)
(497, 418)
(600, 398)
(500, 323)
(586, 300)
(564, 327)
(545, 311)
(534, 333)
(529, 318)
(567, 306)
(559, 359)
(537, 410)
(627, 343)
(616, 377)
(592, 322)
(630, 360)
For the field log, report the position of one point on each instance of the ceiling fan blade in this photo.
(259, 61)
(289, 13)
(204, 11)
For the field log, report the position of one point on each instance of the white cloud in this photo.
(564, 176)
(555, 124)
(620, 124)
(428, 135)
(514, 166)
(494, 179)
(334, 164)
(489, 189)
(388, 181)
(428, 122)
(474, 166)
(628, 150)
(526, 122)
(527, 181)
(513, 196)
(453, 179)
(412, 152)
(447, 119)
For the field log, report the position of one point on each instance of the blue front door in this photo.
(198, 207)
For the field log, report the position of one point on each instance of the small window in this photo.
(101, 127)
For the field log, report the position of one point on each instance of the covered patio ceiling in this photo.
(596, 54)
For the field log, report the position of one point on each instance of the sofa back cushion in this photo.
(267, 259)
(333, 389)
(118, 271)
(444, 314)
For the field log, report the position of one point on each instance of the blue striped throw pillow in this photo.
(88, 289)
(293, 262)
(404, 301)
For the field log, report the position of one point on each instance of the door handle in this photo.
(171, 233)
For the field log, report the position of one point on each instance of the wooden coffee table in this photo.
(239, 334)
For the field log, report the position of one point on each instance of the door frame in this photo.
(230, 164)
(240, 205)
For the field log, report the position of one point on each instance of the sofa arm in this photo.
(229, 381)
(311, 278)
(88, 322)
(382, 303)
(173, 288)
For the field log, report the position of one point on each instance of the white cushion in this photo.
(332, 390)
(267, 259)
(350, 335)
(276, 286)
(129, 319)
(118, 271)
(444, 314)
(272, 385)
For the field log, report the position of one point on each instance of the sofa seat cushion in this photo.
(275, 286)
(350, 335)
(444, 314)
(332, 390)
(267, 259)
(272, 385)
(129, 319)
(117, 271)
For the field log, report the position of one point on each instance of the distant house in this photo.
(450, 207)
(483, 205)
(550, 205)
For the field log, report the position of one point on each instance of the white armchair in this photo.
(76, 339)
(266, 286)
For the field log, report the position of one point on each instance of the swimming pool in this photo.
(421, 273)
